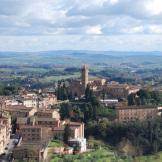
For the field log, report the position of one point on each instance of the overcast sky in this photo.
(39, 25)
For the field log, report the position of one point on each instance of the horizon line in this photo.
(84, 50)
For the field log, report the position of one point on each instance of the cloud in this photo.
(94, 30)
(133, 30)
(155, 29)
(75, 18)
(37, 17)
(82, 42)
(155, 7)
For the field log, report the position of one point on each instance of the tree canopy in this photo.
(145, 97)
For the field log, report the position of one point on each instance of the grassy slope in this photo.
(104, 155)
(55, 143)
(99, 155)
(150, 158)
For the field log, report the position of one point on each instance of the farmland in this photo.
(48, 67)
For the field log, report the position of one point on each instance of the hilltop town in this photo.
(37, 124)
(80, 81)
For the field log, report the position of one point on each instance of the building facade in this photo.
(30, 133)
(3, 140)
(101, 87)
(5, 130)
(135, 113)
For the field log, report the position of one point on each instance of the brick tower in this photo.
(85, 75)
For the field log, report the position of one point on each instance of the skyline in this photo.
(100, 25)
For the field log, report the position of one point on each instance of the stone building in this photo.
(34, 151)
(40, 117)
(47, 113)
(135, 113)
(2, 138)
(101, 86)
(77, 130)
(40, 128)
(5, 130)
(30, 102)
(79, 144)
(77, 87)
(120, 90)
(45, 122)
(47, 100)
(34, 133)
(19, 110)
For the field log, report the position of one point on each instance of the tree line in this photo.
(86, 109)
(145, 97)
(145, 137)
(9, 90)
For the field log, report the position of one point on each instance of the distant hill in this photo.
(76, 58)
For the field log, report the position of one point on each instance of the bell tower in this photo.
(85, 75)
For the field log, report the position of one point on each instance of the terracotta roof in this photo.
(135, 107)
(19, 107)
(58, 129)
(2, 126)
(75, 123)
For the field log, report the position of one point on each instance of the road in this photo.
(8, 152)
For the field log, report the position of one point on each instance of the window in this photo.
(33, 130)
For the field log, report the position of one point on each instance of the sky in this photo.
(102, 25)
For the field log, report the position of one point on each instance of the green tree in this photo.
(132, 99)
(103, 93)
(88, 93)
(13, 122)
(62, 92)
(67, 133)
(65, 110)
(145, 97)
